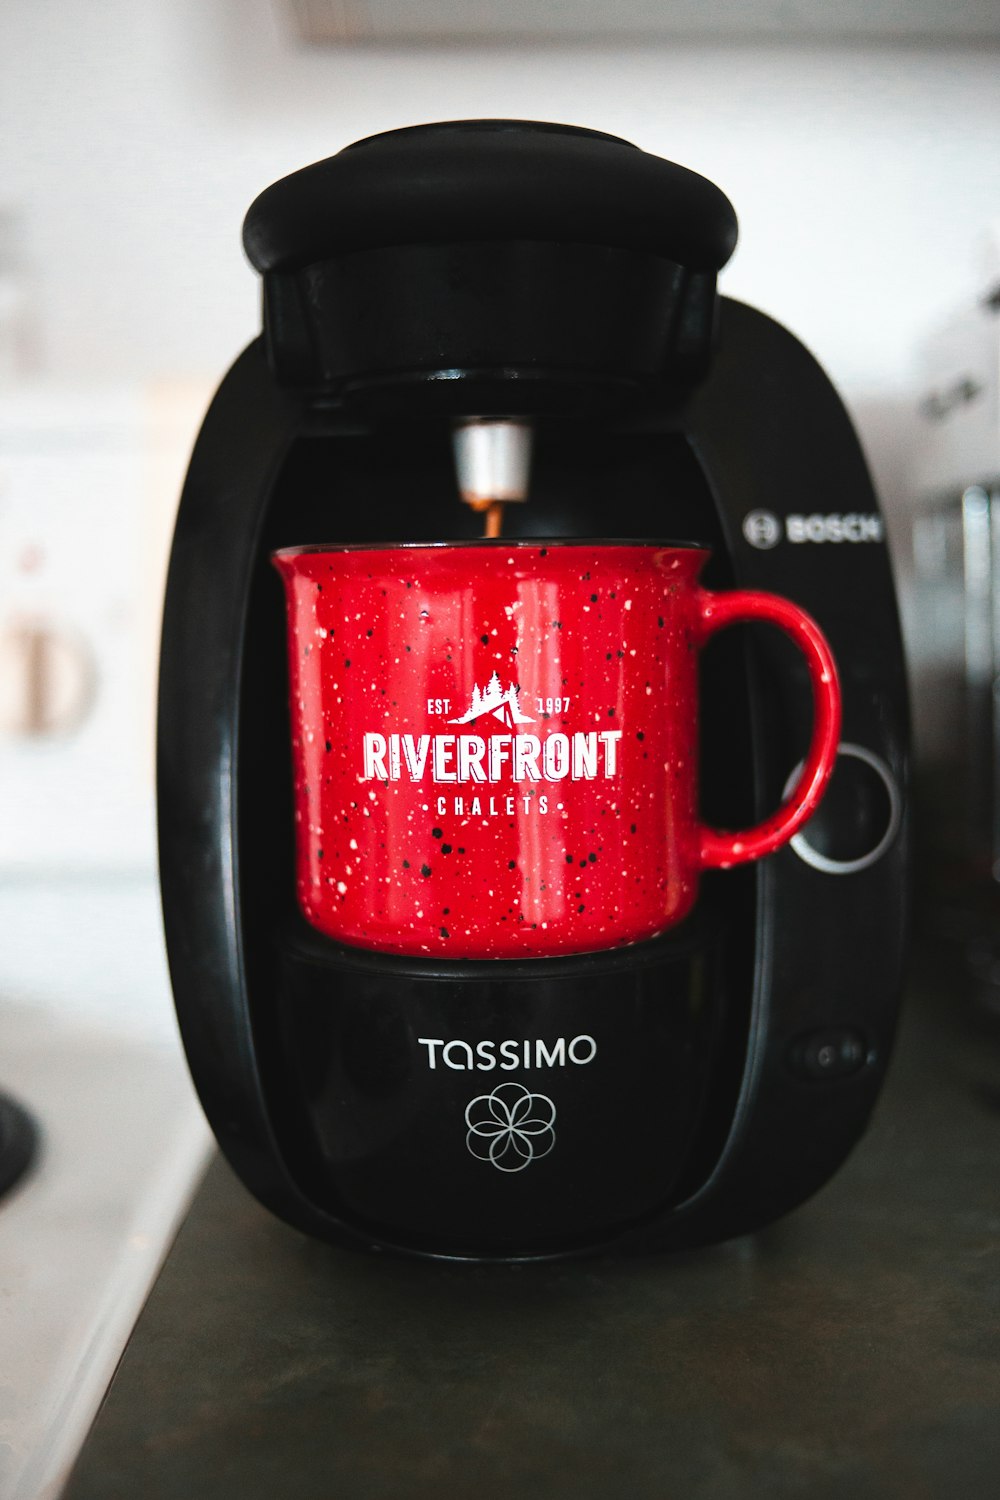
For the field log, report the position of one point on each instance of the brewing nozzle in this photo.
(492, 464)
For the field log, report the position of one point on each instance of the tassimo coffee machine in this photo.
(518, 323)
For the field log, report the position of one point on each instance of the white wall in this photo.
(136, 134)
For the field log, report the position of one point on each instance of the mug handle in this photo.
(718, 850)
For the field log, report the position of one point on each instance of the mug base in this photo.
(524, 939)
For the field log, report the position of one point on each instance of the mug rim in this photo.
(494, 543)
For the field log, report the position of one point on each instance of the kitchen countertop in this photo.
(849, 1351)
(89, 1047)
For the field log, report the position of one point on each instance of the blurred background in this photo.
(862, 161)
(859, 145)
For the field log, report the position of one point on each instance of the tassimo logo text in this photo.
(484, 1056)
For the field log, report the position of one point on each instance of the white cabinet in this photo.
(88, 483)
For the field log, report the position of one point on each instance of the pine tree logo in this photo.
(497, 700)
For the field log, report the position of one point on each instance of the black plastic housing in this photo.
(541, 265)
(742, 1054)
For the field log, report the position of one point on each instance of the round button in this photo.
(858, 817)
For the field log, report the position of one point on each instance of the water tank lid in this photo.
(466, 180)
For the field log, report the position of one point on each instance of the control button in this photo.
(835, 1052)
(858, 817)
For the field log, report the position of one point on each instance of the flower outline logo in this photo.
(511, 1127)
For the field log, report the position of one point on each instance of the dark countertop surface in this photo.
(848, 1353)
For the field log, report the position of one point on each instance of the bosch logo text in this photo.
(764, 530)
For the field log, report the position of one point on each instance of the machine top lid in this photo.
(467, 180)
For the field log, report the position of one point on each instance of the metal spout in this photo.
(492, 459)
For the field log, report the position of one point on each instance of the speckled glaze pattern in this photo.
(495, 744)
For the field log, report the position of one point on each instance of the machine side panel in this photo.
(801, 519)
(243, 441)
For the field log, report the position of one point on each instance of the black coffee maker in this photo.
(476, 289)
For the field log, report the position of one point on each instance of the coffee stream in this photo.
(492, 517)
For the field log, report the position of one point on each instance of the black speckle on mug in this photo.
(425, 870)
(445, 848)
(436, 833)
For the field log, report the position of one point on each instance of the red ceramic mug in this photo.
(495, 744)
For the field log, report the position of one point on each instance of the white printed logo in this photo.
(834, 528)
(492, 755)
(762, 529)
(493, 699)
(510, 1127)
